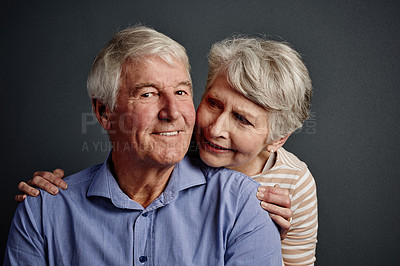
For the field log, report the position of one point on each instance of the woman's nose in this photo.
(219, 128)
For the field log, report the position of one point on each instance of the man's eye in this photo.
(181, 92)
(242, 119)
(147, 95)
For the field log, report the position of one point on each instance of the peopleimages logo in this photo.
(310, 125)
(89, 120)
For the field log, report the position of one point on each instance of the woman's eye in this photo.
(242, 119)
(213, 103)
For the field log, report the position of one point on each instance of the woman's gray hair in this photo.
(133, 43)
(269, 73)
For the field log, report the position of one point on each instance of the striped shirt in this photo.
(298, 248)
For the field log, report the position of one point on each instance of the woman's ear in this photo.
(274, 146)
(103, 114)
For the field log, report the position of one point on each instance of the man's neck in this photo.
(142, 184)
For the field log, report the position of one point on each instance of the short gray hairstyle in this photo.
(269, 73)
(133, 43)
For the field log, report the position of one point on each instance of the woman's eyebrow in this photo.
(242, 111)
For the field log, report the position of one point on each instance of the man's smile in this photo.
(169, 133)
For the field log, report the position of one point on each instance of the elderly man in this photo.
(146, 204)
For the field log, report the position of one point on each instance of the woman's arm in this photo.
(48, 181)
(298, 233)
(298, 248)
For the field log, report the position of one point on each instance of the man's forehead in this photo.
(153, 60)
(155, 70)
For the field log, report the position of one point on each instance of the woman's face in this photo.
(230, 129)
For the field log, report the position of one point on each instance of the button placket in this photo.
(142, 238)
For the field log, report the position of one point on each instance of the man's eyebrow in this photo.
(187, 83)
(143, 85)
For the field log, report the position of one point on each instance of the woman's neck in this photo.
(255, 166)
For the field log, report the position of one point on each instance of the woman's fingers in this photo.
(275, 195)
(28, 190)
(284, 212)
(283, 224)
(48, 181)
(20, 198)
(277, 202)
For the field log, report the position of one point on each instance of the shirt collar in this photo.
(273, 161)
(186, 174)
(270, 162)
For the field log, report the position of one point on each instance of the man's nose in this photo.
(219, 128)
(169, 108)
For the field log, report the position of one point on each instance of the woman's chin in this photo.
(210, 160)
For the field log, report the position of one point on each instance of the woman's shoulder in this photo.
(289, 161)
(290, 165)
(288, 171)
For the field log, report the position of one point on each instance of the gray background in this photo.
(350, 144)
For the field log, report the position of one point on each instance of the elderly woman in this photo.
(258, 92)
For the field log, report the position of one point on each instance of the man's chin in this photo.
(168, 161)
(170, 156)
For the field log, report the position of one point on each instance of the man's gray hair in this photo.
(133, 43)
(269, 73)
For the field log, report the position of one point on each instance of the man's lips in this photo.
(168, 133)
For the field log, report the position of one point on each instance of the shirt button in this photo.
(142, 259)
(145, 214)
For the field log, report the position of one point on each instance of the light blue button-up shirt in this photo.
(205, 216)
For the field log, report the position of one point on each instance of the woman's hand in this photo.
(277, 202)
(48, 181)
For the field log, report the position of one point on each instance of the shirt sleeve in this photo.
(254, 239)
(25, 245)
(298, 248)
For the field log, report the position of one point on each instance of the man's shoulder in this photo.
(77, 183)
(217, 180)
(83, 176)
(229, 177)
(251, 230)
(235, 187)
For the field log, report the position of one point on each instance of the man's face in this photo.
(155, 114)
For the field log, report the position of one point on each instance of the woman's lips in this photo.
(216, 148)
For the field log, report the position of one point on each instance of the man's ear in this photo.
(274, 146)
(103, 114)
